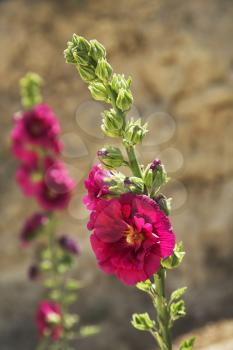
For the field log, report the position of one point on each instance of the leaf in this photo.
(175, 259)
(187, 344)
(142, 322)
(177, 294)
(144, 286)
(177, 310)
(70, 320)
(87, 331)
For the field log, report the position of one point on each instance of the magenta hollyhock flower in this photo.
(69, 245)
(38, 127)
(33, 226)
(30, 174)
(49, 319)
(55, 190)
(96, 186)
(131, 235)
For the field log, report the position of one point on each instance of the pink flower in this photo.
(131, 235)
(49, 320)
(54, 192)
(96, 186)
(38, 127)
(30, 174)
(33, 227)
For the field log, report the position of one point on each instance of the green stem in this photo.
(161, 307)
(133, 162)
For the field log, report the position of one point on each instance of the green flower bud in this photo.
(96, 50)
(112, 123)
(111, 157)
(103, 70)
(175, 259)
(98, 91)
(77, 50)
(164, 204)
(134, 132)
(124, 99)
(134, 184)
(155, 175)
(30, 86)
(86, 73)
(119, 82)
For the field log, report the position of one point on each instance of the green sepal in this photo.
(177, 310)
(103, 70)
(134, 132)
(124, 100)
(87, 74)
(98, 91)
(96, 50)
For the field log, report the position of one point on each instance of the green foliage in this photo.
(145, 286)
(187, 344)
(176, 258)
(111, 157)
(177, 294)
(98, 91)
(177, 310)
(112, 123)
(87, 331)
(154, 179)
(142, 322)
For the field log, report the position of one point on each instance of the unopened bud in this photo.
(134, 132)
(98, 91)
(97, 50)
(86, 73)
(119, 82)
(124, 100)
(111, 157)
(103, 70)
(112, 123)
(164, 204)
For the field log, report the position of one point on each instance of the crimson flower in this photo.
(49, 320)
(130, 237)
(33, 226)
(34, 129)
(96, 186)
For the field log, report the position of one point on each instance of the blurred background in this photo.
(180, 56)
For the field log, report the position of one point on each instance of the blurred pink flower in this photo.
(131, 236)
(95, 185)
(35, 129)
(69, 245)
(49, 320)
(33, 226)
(54, 192)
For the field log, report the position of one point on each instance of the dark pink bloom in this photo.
(68, 244)
(95, 185)
(55, 190)
(38, 127)
(33, 226)
(30, 174)
(131, 235)
(49, 320)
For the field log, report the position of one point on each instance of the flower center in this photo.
(133, 236)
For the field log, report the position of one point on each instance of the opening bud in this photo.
(111, 157)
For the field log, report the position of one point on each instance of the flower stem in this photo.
(161, 307)
(134, 165)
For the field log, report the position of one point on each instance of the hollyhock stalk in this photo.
(131, 232)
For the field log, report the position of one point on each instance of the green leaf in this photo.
(87, 331)
(177, 310)
(187, 344)
(176, 258)
(177, 294)
(70, 320)
(145, 286)
(142, 322)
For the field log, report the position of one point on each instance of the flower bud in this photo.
(86, 73)
(98, 91)
(69, 245)
(164, 204)
(112, 123)
(134, 132)
(111, 157)
(77, 51)
(103, 70)
(119, 82)
(124, 99)
(97, 50)
(134, 184)
(33, 272)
